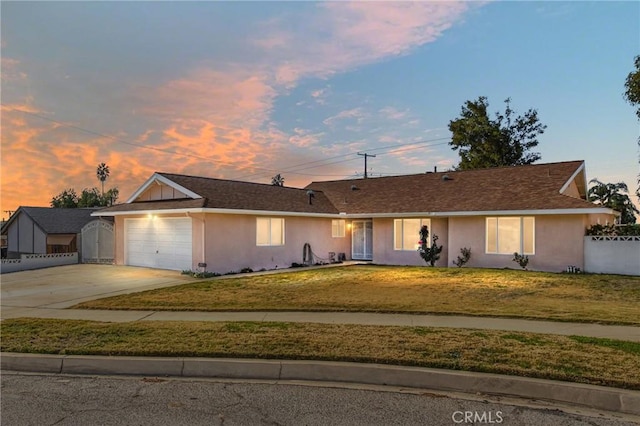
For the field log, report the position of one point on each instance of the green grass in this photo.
(613, 299)
(576, 359)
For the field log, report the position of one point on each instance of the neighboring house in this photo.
(3, 243)
(44, 230)
(186, 222)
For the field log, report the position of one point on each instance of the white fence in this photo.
(37, 261)
(612, 255)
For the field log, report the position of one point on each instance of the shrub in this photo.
(521, 259)
(429, 254)
(614, 230)
(196, 274)
(461, 260)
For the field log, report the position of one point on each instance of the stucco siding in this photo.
(469, 232)
(231, 242)
(559, 243)
(383, 244)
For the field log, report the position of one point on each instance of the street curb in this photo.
(594, 397)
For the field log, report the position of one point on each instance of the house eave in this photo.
(342, 215)
(216, 211)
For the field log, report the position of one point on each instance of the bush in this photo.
(461, 260)
(196, 274)
(608, 230)
(429, 254)
(521, 259)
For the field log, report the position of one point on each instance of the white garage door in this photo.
(158, 242)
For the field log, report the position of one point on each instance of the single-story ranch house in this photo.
(186, 222)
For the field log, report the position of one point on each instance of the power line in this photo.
(292, 169)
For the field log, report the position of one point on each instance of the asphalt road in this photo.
(35, 399)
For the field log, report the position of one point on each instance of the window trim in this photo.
(270, 231)
(341, 228)
(423, 222)
(497, 235)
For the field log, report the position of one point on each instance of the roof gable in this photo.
(159, 187)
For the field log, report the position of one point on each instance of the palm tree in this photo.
(277, 180)
(102, 172)
(614, 196)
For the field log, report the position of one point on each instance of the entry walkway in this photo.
(629, 333)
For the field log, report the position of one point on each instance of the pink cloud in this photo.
(344, 35)
(356, 114)
(392, 113)
(217, 119)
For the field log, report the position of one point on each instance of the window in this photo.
(337, 228)
(406, 233)
(269, 231)
(508, 235)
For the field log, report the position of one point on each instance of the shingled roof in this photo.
(531, 187)
(522, 188)
(234, 195)
(55, 220)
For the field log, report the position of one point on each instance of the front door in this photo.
(362, 240)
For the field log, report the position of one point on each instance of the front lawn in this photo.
(370, 288)
(577, 359)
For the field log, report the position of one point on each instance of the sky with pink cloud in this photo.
(246, 90)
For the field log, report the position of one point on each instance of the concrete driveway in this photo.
(65, 286)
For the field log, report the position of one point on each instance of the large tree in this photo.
(505, 140)
(614, 196)
(632, 87)
(632, 95)
(69, 199)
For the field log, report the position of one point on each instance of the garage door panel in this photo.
(164, 243)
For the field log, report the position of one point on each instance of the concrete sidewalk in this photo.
(629, 333)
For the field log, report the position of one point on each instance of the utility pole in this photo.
(365, 155)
